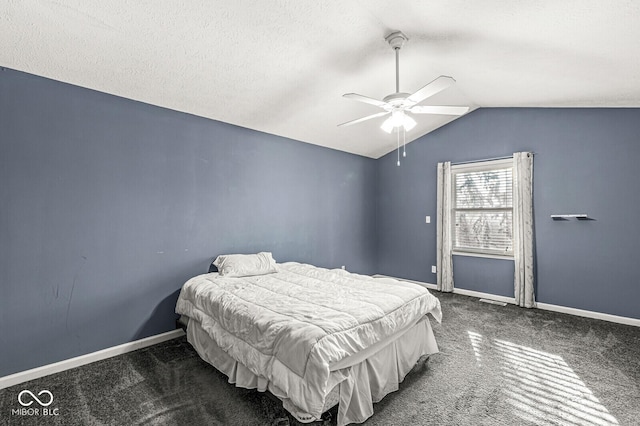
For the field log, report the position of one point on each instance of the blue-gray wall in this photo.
(108, 205)
(587, 161)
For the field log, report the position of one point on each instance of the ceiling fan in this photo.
(399, 104)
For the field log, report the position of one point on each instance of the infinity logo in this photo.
(26, 404)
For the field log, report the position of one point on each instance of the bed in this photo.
(313, 337)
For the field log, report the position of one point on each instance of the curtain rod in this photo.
(485, 159)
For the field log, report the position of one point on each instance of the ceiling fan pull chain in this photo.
(404, 142)
(398, 138)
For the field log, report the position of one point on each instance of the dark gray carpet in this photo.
(497, 366)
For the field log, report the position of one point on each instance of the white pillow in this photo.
(245, 265)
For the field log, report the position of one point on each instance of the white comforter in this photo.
(292, 326)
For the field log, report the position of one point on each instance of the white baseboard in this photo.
(481, 295)
(544, 306)
(67, 364)
(589, 314)
(427, 285)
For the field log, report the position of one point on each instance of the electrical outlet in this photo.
(342, 266)
(433, 269)
(428, 219)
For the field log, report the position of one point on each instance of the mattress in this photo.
(291, 327)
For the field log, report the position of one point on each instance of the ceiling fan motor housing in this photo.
(396, 99)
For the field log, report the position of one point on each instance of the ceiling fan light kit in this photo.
(398, 119)
(399, 104)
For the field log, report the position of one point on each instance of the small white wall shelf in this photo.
(580, 216)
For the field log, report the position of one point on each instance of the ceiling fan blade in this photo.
(436, 86)
(359, 120)
(365, 99)
(435, 109)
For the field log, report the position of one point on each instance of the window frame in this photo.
(478, 166)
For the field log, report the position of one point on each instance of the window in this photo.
(483, 208)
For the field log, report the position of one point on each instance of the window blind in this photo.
(483, 210)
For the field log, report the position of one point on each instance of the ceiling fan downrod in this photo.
(396, 40)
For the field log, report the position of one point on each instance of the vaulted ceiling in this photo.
(281, 67)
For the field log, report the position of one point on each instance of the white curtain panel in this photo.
(444, 262)
(523, 228)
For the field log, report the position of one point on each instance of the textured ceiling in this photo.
(281, 67)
